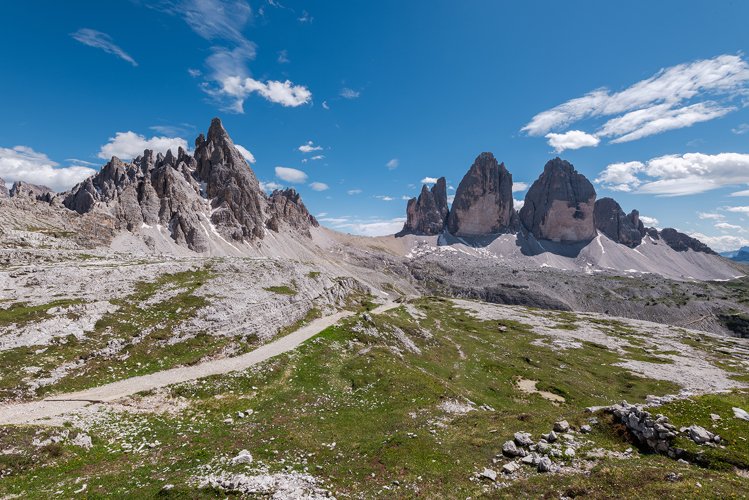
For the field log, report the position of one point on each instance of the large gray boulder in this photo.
(611, 220)
(483, 201)
(427, 214)
(559, 205)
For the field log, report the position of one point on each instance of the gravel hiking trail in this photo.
(58, 404)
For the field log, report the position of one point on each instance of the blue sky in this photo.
(653, 96)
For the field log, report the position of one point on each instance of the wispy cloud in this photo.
(283, 57)
(354, 191)
(675, 97)
(393, 164)
(319, 186)
(676, 175)
(741, 129)
(384, 197)
(348, 93)
(102, 41)
(365, 227)
(246, 154)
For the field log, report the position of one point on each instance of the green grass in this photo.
(359, 385)
(281, 290)
(20, 314)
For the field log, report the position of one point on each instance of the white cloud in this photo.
(710, 216)
(291, 175)
(348, 93)
(740, 193)
(385, 198)
(675, 97)
(450, 198)
(573, 139)
(518, 204)
(128, 145)
(270, 186)
(305, 18)
(102, 41)
(741, 129)
(317, 157)
(518, 186)
(283, 57)
(354, 191)
(238, 89)
(22, 163)
(308, 147)
(649, 221)
(721, 243)
(319, 186)
(677, 175)
(738, 210)
(245, 153)
(393, 164)
(727, 226)
(429, 180)
(193, 72)
(325, 105)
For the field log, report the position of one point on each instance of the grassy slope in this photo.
(381, 408)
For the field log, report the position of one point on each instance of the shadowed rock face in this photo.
(192, 197)
(427, 214)
(682, 242)
(559, 205)
(286, 207)
(483, 202)
(611, 220)
(27, 190)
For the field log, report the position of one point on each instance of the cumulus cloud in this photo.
(245, 153)
(649, 221)
(675, 97)
(519, 186)
(291, 175)
(348, 93)
(518, 204)
(677, 175)
(722, 243)
(319, 186)
(429, 180)
(102, 41)
(309, 147)
(128, 145)
(573, 139)
(238, 89)
(22, 163)
(393, 164)
(270, 186)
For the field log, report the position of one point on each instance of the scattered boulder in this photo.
(739, 413)
(611, 220)
(427, 214)
(244, 457)
(559, 206)
(523, 439)
(561, 426)
(545, 465)
(509, 449)
(510, 467)
(489, 474)
(700, 435)
(483, 202)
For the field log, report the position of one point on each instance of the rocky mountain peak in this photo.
(21, 189)
(559, 205)
(611, 220)
(427, 214)
(483, 201)
(286, 206)
(4, 193)
(682, 242)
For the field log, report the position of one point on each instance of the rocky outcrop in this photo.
(286, 207)
(194, 198)
(682, 242)
(483, 202)
(21, 189)
(427, 214)
(559, 205)
(4, 193)
(611, 220)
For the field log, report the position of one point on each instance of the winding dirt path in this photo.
(25, 413)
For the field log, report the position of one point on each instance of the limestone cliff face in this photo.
(559, 205)
(483, 201)
(427, 214)
(192, 197)
(682, 242)
(4, 193)
(613, 222)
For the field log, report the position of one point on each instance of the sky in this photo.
(355, 104)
